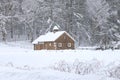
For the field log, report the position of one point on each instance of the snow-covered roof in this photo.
(50, 36)
(55, 28)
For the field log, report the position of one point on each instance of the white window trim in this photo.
(69, 45)
(50, 44)
(59, 44)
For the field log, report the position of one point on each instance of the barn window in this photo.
(69, 45)
(64, 37)
(54, 44)
(50, 44)
(59, 44)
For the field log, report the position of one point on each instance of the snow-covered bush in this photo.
(24, 67)
(9, 64)
(113, 71)
(87, 67)
(78, 67)
(62, 66)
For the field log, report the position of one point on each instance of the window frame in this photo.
(50, 44)
(64, 37)
(69, 44)
(59, 44)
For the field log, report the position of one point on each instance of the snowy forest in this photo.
(90, 22)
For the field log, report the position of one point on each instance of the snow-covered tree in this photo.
(90, 22)
(3, 27)
(98, 11)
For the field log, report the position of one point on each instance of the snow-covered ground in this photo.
(18, 61)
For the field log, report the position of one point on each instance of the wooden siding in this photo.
(38, 46)
(49, 45)
(63, 39)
